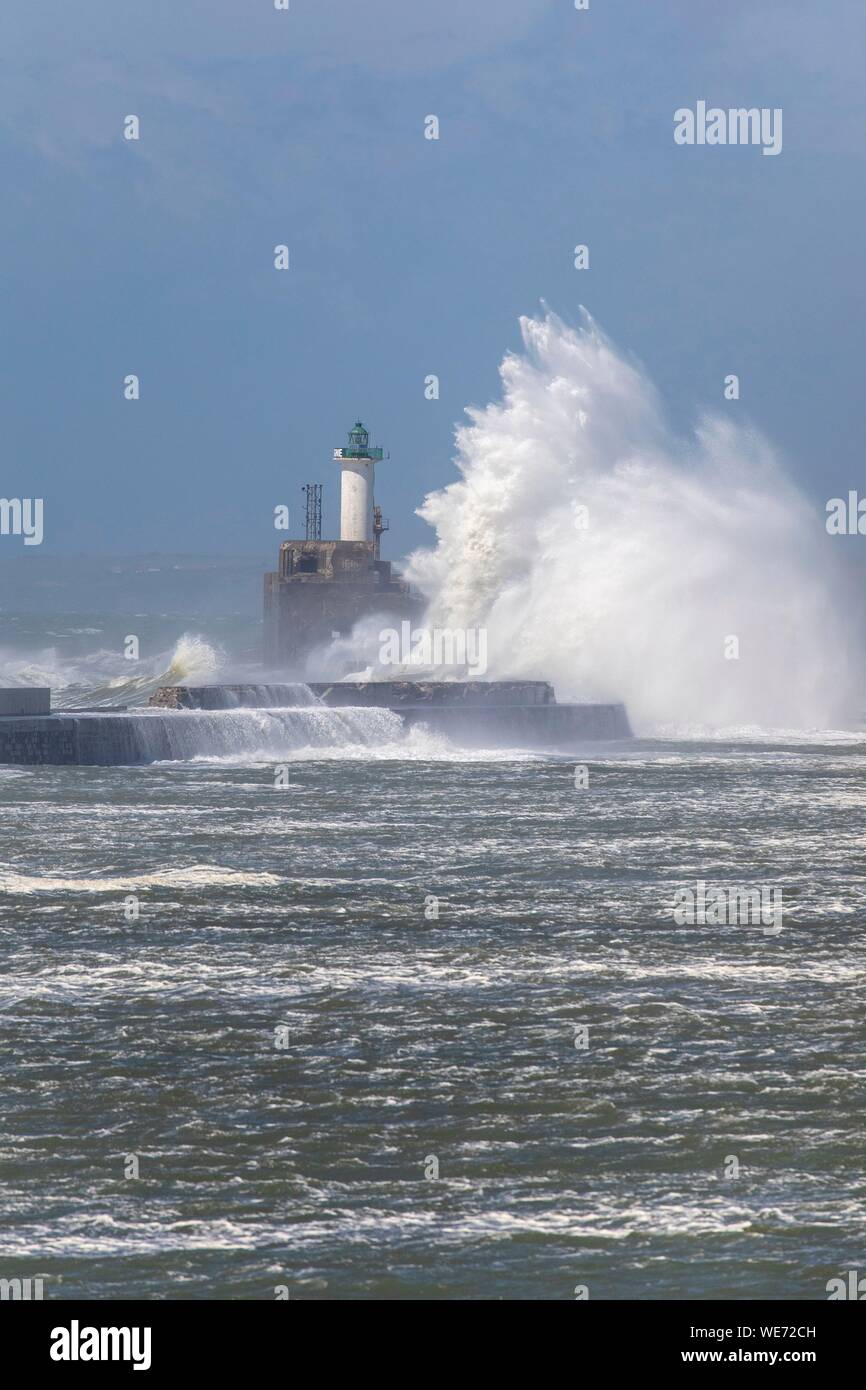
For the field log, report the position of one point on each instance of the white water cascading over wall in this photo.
(156, 735)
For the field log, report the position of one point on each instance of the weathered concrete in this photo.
(62, 739)
(400, 694)
(231, 697)
(25, 699)
(323, 587)
(528, 726)
(46, 739)
(378, 694)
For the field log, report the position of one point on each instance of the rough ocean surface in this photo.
(411, 1039)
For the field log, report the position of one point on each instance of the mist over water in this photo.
(686, 543)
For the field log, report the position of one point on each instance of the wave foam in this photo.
(686, 544)
(106, 678)
(194, 876)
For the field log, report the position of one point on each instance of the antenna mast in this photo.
(313, 493)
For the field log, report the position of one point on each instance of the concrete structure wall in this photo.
(561, 727)
(423, 694)
(301, 615)
(312, 562)
(325, 587)
(49, 739)
(30, 699)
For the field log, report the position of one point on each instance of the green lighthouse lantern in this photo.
(359, 438)
(358, 446)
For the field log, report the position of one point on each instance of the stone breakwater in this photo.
(363, 694)
(185, 722)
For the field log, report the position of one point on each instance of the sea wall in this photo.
(58, 739)
(46, 739)
(379, 694)
(265, 721)
(557, 727)
(147, 736)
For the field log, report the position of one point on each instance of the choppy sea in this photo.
(420, 1023)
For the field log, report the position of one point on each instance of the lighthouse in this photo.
(357, 463)
(322, 588)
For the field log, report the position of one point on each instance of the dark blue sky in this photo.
(408, 256)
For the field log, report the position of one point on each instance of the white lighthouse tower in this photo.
(357, 463)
